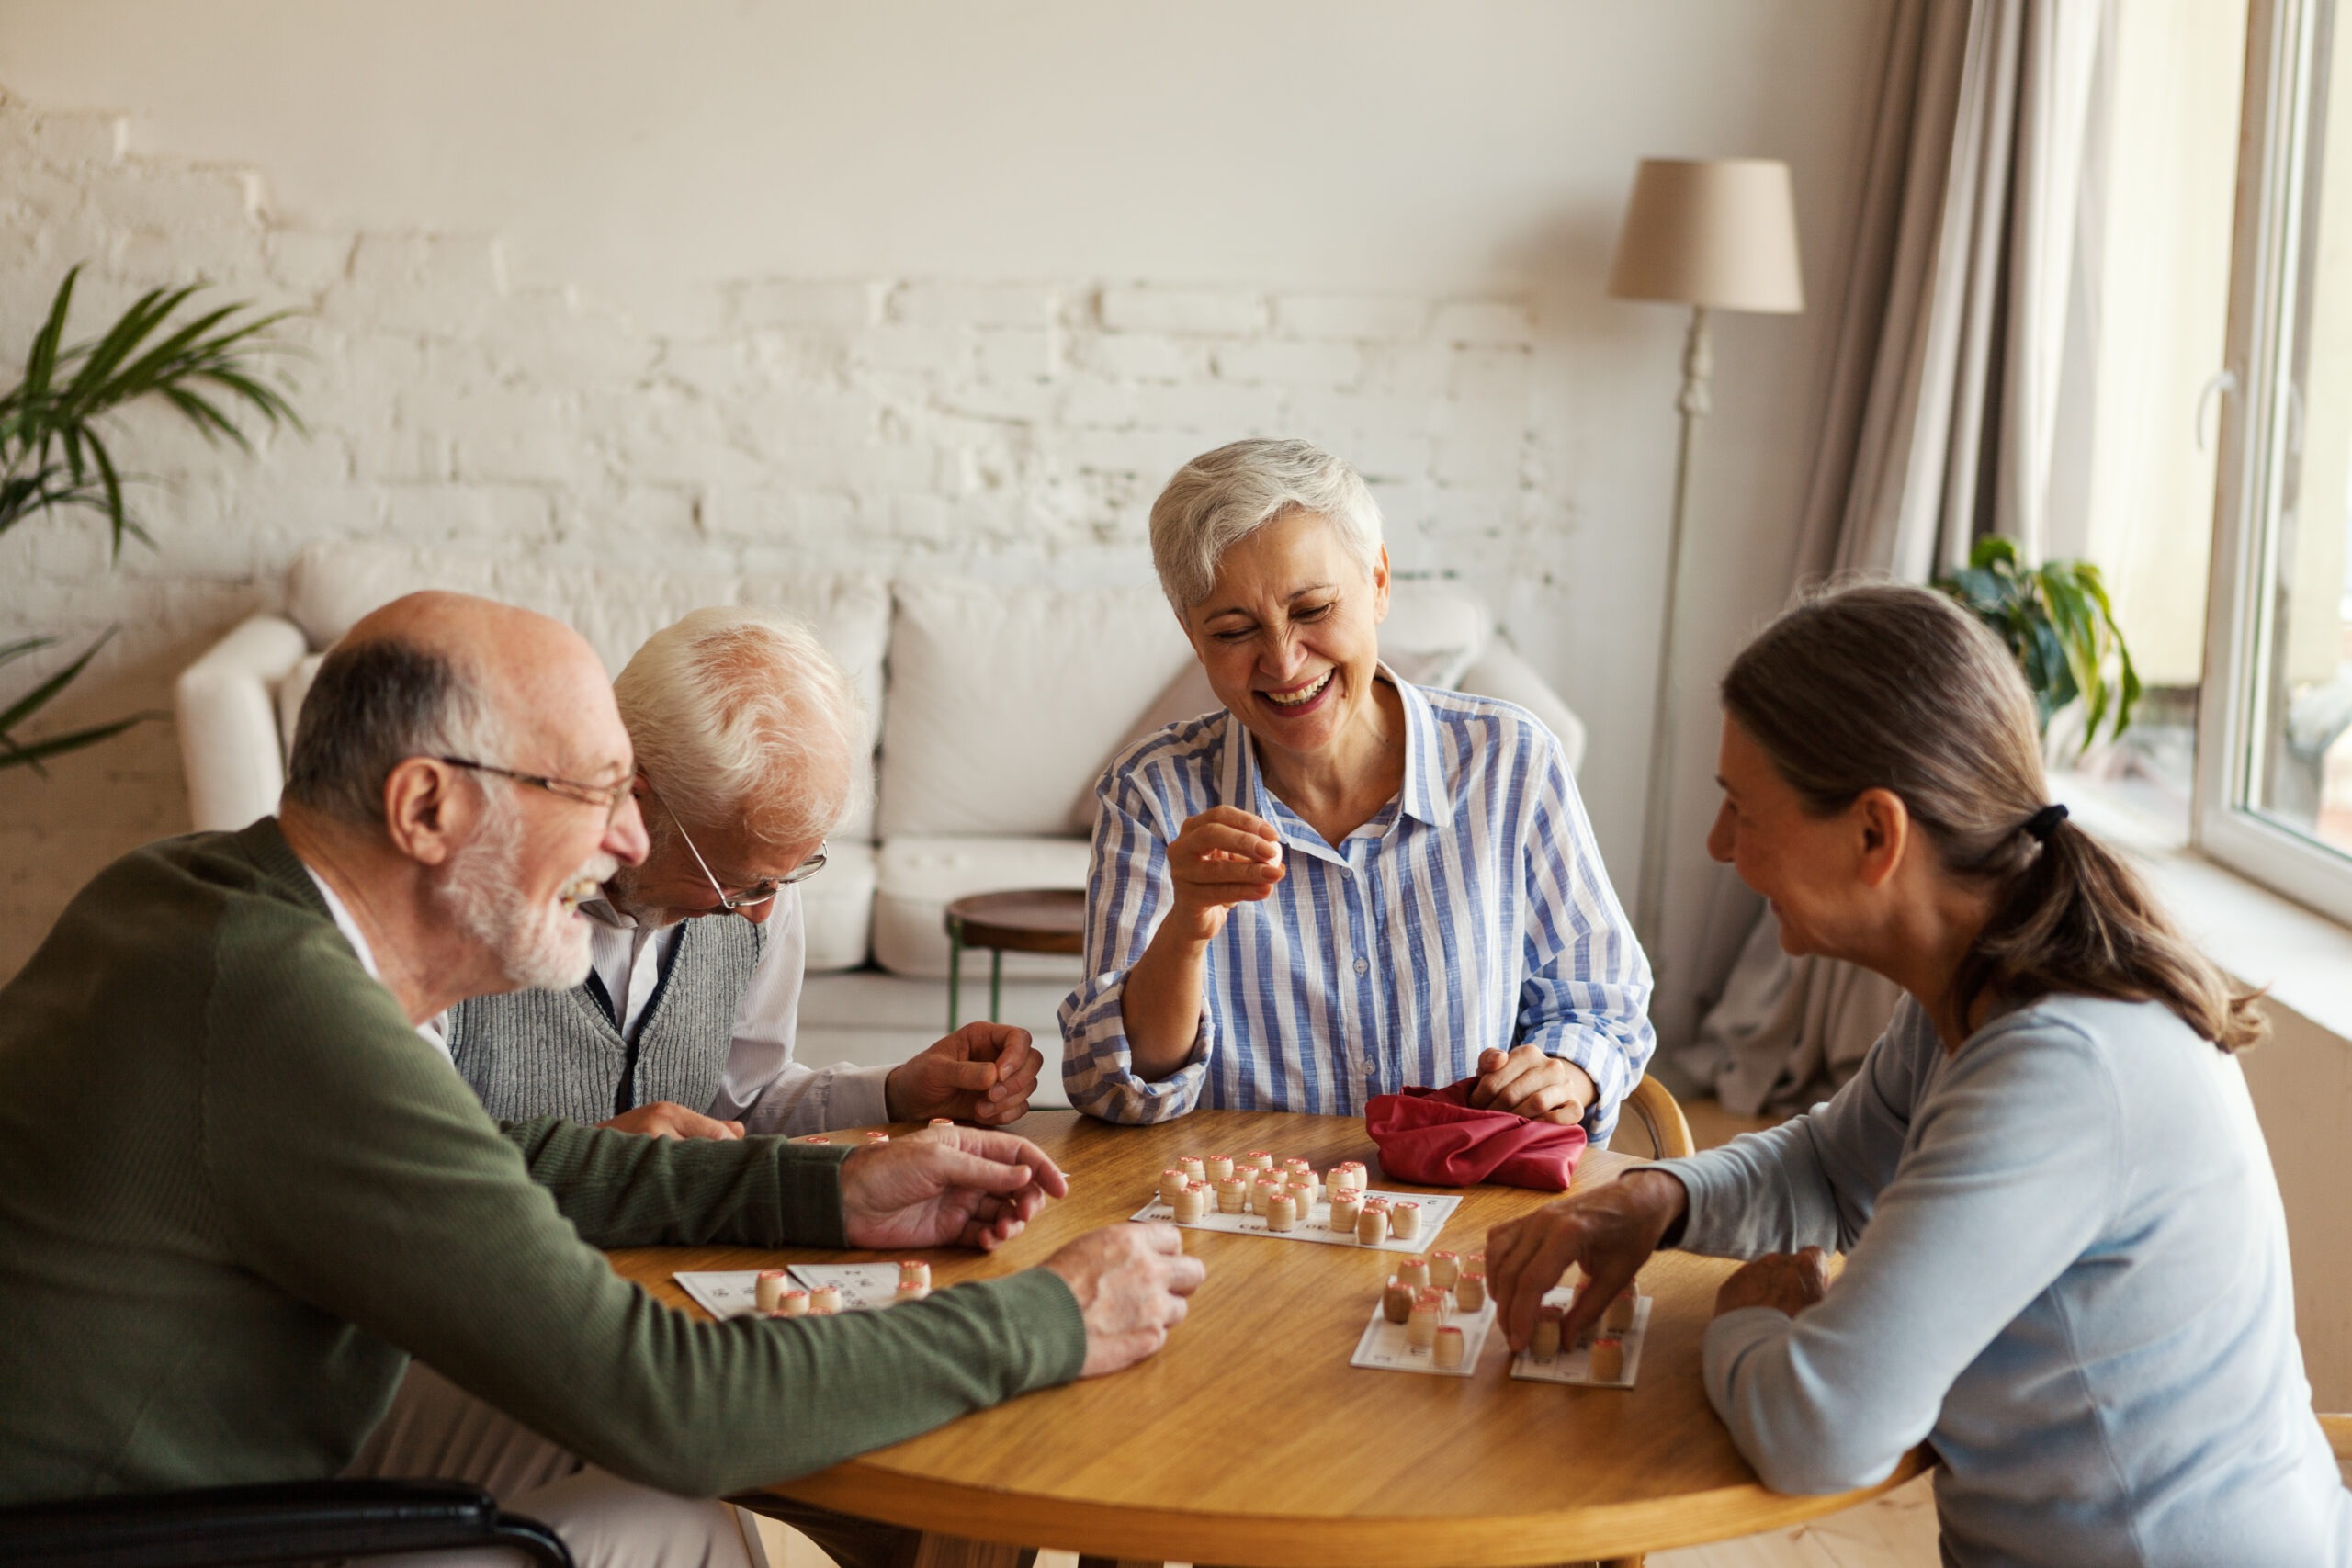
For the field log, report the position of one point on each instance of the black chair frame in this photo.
(302, 1521)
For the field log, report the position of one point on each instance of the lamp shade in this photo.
(1716, 231)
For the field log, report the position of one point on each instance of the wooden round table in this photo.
(1249, 1439)
(1034, 919)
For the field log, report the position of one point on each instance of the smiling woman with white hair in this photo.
(1341, 884)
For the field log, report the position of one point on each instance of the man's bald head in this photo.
(449, 675)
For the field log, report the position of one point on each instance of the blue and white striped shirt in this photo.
(1472, 911)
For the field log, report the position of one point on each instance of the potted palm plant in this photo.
(55, 454)
(2058, 622)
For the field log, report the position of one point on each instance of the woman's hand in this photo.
(1608, 1231)
(1526, 1082)
(1789, 1281)
(946, 1187)
(1220, 858)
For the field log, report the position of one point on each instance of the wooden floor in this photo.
(1897, 1530)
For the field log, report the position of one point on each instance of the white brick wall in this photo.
(1012, 431)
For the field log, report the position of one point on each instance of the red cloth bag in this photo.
(1434, 1138)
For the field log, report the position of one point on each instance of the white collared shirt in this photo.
(431, 1028)
(762, 1086)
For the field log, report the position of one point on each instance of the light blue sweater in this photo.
(2066, 1267)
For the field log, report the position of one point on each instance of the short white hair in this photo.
(1221, 498)
(740, 715)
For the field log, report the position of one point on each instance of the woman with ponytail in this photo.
(2065, 1257)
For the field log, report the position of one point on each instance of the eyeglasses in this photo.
(759, 893)
(611, 798)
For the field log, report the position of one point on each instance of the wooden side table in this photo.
(1038, 920)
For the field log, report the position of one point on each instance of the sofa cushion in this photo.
(1436, 628)
(1005, 705)
(1501, 672)
(1004, 702)
(837, 907)
(332, 585)
(1189, 695)
(918, 877)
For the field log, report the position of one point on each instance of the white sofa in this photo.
(996, 708)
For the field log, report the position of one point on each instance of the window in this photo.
(2206, 445)
(2139, 449)
(2274, 774)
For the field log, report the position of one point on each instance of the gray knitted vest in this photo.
(560, 1054)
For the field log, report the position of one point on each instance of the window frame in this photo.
(2285, 70)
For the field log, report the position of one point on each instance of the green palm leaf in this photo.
(214, 368)
(14, 753)
(41, 363)
(31, 702)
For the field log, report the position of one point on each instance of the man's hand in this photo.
(946, 1187)
(1608, 1231)
(1222, 857)
(983, 1072)
(1540, 1087)
(1790, 1282)
(1130, 1281)
(663, 1119)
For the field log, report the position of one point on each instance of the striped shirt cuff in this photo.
(1603, 1061)
(1097, 1066)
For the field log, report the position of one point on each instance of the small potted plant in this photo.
(2059, 623)
(55, 451)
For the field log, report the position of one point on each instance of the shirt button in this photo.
(1361, 965)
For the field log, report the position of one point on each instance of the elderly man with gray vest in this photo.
(750, 749)
(224, 1277)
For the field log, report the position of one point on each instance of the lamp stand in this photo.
(1649, 916)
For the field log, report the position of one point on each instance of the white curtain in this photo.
(1954, 359)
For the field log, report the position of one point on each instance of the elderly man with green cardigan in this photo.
(217, 1270)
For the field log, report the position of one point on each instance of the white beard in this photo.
(539, 947)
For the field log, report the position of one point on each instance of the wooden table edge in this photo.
(1364, 1540)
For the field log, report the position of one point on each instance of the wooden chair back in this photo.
(1661, 1116)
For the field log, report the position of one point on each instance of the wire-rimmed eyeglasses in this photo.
(611, 798)
(759, 892)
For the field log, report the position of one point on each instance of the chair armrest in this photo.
(229, 742)
(1501, 672)
(286, 1522)
(1660, 1114)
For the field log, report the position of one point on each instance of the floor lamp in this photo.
(1714, 234)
